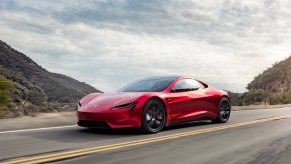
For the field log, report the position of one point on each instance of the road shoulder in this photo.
(40, 121)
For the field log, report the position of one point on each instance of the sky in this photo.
(108, 44)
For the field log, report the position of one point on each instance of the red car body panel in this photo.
(180, 107)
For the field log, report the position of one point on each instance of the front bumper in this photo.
(120, 118)
(93, 124)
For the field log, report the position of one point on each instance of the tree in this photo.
(5, 87)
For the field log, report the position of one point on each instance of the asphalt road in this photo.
(253, 136)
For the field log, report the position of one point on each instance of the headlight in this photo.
(129, 105)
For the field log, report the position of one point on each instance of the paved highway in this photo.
(253, 136)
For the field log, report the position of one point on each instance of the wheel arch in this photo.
(228, 98)
(163, 103)
(218, 101)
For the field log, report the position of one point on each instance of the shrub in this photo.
(5, 87)
(31, 110)
(236, 98)
(256, 96)
(36, 96)
(281, 98)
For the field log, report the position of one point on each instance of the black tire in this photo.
(153, 116)
(224, 110)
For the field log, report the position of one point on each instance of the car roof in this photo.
(155, 77)
(169, 76)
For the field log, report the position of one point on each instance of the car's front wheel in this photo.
(223, 113)
(153, 117)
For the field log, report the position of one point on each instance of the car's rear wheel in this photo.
(153, 117)
(224, 110)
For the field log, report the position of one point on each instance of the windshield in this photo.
(157, 84)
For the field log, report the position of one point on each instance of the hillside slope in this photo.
(36, 85)
(275, 79)
(273, 86)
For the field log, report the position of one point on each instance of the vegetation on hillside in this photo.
(5, 88)
(273, 86)
(34, 88)
(259, 97)
(5, 93)
(276, 79)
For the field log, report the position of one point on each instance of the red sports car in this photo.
(155, 102)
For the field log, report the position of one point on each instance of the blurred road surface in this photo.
(252, 136)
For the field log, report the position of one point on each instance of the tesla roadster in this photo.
(153, 103)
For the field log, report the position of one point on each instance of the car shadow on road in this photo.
(78, 134)
(125, 132)
(187, 125)
(120, 132)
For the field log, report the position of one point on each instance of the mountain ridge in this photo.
(275, 79)
(272, 86)
(34, 84)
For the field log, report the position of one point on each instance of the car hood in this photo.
(109, 100)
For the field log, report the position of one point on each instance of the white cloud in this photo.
(108, 44)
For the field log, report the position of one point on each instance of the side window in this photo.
(187, 85)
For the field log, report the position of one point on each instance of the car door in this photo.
(188, 101)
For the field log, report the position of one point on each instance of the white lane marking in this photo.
(37, 129)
